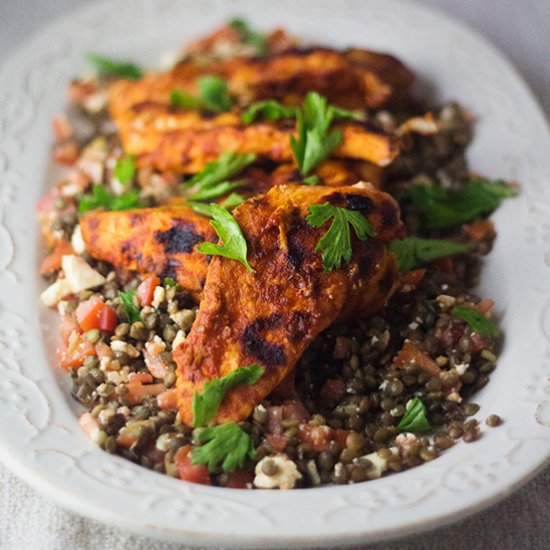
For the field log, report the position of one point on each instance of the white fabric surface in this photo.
(521, 28)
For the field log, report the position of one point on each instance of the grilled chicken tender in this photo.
(271, 316)
(178, 139)
(153, 241)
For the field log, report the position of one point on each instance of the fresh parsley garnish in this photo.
(315, 141)
(213, 95)
(127, 299)
(100, 197)
(271, 109)
(476, 320)
(268, 109)
(233, 242)
(110, 67)
(335, 245)
(212, 181)
(445, 209)
(206, 404)
(227, 445)
(125, 169)
(414, 420)
(249, 36)
(232, 201)
(415, 251)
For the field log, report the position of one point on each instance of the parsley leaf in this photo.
(125, 169)
(336, 242)
(127, 299)
(100, 197)
(414, 420)
(443, 209)
(415, 251)
(249, 36)
(226, 445)
(232, 201)
(207, 403)
(213, 95)
(314, 142)
(233, 242)
(269, 109)
(228, 164)
(476, 320)
(110, 67)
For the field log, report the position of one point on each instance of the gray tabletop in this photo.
(521, 28)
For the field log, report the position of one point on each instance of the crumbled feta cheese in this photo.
(70, 189)
(285, 476)
(379, 464)
(96, 102)
(163, 442)
(384, 385)
(118, 187)
(179, 339)
(395, 412)
(374, 339)
(155, 346)
(79, 274)
(104, 415)
(184, 318)
(119, 345)
(406, 442)
(62, 307)
(158, 296)
(413, 325)
(77, 242)
(56, 292)
(461, 368)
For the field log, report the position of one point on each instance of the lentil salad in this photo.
(343, 421)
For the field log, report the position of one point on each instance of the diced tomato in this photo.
(295, 410)
(452, 334)
(127, 437)
(277, 442)
(143, 377)
(79, 91)
(108, 319)
(411, 279)
(485, 305)
(62, 129)
(479, 230)
(66, 153)
(410, 354)
(103, 350)
(87, 313)
(168, 399)
(194, 473)
(332, 390)
(239, 479)
(76, 350)
(317, 437)
(88, 423)
(146, 290)
(138, 391)
(478, 343)
(53, 261)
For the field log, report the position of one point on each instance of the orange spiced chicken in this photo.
(269, 317)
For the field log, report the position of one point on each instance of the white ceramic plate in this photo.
(39, 437)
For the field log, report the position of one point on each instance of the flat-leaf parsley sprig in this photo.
(206, 404)
(233, 242)
(415, 419)
(335, 244)
(226, 445)
(476, 320)
(315, 141)
(213, 95)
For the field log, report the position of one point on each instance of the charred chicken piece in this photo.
(269, 317)
(153, 241)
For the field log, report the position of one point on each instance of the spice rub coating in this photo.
(158, 241)
(269, 317)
